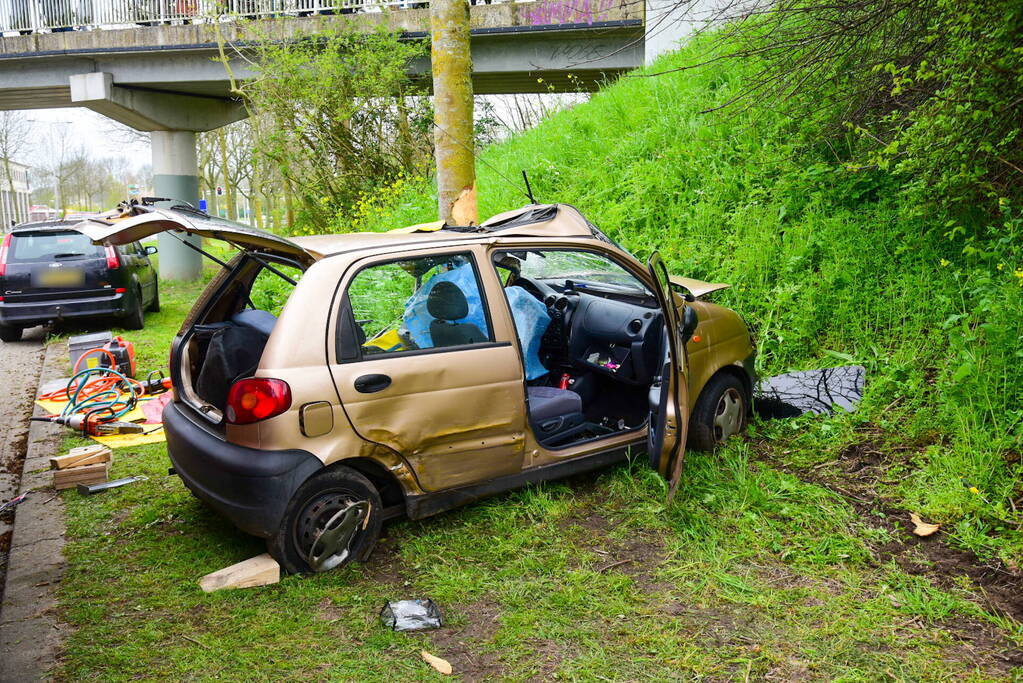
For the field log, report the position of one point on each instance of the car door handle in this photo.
(368, 384)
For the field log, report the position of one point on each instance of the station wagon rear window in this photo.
(46, 246)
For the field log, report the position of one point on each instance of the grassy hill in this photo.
(785, 556)
(831, 263)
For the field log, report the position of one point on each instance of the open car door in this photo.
(669, 395)
(116, 230)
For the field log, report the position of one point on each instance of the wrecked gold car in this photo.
(417, 370)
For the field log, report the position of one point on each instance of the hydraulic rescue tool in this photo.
(98, 396)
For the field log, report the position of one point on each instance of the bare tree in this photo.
(15, 131)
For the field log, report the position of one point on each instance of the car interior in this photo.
(593, 342)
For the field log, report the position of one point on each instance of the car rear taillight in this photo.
(113, 262)
(4, 246)
(254, 399)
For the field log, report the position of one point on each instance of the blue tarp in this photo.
(531, 321)
(417, 319)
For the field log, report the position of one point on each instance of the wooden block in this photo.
(86, 474)
(84, 455)
(260, 570)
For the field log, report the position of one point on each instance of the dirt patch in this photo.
(463, 645)
(980, 642)
(328, 611)
(383, 567)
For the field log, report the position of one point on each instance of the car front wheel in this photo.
(334, 518)
(721, 411)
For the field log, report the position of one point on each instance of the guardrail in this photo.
(28, 16)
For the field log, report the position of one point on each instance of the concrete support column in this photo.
(176, 176)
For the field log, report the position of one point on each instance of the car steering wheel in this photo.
(541, 290)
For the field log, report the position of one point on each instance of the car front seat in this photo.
(447, 303)
(553, 411)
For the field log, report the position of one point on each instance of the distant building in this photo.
(14, 206)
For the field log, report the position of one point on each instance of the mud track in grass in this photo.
(853, 475)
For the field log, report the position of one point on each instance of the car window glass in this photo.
(45, 246)
(422, 303)
(581, 267)
(270, 291)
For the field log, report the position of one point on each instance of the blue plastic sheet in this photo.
(531, 321)
(417, 319)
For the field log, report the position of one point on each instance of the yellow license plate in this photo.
(61, 277)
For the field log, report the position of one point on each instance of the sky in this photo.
(96, 133)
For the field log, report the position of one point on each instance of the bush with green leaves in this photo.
(344, 116)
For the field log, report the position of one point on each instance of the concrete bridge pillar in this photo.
(172, 120)
(176, 176)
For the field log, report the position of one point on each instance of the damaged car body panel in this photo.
(413, 371)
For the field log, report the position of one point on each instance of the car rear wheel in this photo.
(720, 412)
(9, 333)
(334, 518)
(154, 305)
(136, 320)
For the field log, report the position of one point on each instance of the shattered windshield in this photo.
(581, 267)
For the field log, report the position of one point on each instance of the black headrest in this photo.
(447, 302)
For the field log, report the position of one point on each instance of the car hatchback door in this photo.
(422, 369)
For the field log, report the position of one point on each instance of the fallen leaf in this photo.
(922, 528)
(441, 665)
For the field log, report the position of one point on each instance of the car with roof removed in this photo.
(50, 272)
(413, 371)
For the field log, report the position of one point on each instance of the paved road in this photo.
(20, 364)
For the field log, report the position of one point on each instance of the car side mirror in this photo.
(689, 322)
(151, 250)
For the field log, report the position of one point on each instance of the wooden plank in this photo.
(260, 570)
(86, 474)
(86, 455)
(89, 477)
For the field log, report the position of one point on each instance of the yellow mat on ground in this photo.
(153, 432)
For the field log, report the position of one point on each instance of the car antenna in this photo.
(529, 189)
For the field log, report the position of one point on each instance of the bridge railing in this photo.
(26, 16)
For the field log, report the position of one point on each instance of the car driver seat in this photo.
(447, 304)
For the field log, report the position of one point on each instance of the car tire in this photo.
(319, 499)
(136, 320)
(10, 333)
(721, 411)
(154, 305)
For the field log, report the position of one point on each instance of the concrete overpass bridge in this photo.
(150, 64)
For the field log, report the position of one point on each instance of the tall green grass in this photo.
(827, 262)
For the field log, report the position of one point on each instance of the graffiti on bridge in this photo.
(566, 12)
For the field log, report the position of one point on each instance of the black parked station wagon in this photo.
(50, 272)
